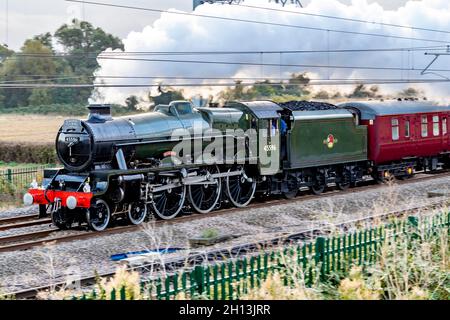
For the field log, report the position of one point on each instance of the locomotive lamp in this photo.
(86, 187)
(34, 184)
(28, 199)
(71, 202)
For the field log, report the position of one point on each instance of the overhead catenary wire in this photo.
(46, 78)
(93, 55)
(302, 12)
(235, 79)
(258, 22)
(266, 64)
(321, 83)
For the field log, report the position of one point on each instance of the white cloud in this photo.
(184, 33)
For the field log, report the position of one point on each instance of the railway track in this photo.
(82, 235)
(23, 218)
(16, 222)
(231, 252)
(25, 236)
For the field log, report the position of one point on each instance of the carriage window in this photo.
(435, 125)
(444, 126)
(424, 126)
(407, 129)
(395, 131)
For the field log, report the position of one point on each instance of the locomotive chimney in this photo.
(99, 112)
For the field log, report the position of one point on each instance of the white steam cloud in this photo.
(172, 33)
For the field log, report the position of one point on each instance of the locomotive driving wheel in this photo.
(204, 197)
(240, 188)
(168, 203)
(98, 215)
(137, 212)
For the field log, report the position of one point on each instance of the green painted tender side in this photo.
(319, 138)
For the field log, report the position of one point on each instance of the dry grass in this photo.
(29, 128)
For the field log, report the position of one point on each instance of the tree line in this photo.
(69, 55)
(79, 42)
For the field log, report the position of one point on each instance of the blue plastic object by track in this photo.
(121, 256)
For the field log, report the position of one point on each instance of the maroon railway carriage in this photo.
(405, 135)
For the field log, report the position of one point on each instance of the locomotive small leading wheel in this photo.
(167, 204)
(204, 197)
(98, 216)
(137, 212)
(60, 220)
(240, 189)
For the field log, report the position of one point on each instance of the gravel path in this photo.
(53, 263)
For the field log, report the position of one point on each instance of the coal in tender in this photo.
(307, 106)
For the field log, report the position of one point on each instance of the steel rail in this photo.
(25, 223)
(24, 236)
(18, 219)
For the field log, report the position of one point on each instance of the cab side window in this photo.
(395, 129)
(273, 127)
(424, 126)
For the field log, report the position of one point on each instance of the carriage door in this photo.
(269, 146)
(444, 130)
(407, 132)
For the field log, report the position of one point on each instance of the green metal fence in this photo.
(20, 178)
(316, 260)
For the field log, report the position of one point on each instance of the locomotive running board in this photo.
(195, 180)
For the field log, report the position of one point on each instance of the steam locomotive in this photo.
(179, 158)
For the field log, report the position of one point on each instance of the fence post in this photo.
(9, 175)
(199, 279)
(413, 223)
(320, 255)
(123, 295)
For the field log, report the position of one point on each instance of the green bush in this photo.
(209, 233)
(27, 153)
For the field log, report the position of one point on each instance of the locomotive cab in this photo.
(265, 119)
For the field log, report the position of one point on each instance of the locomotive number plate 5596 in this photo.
(72, 139)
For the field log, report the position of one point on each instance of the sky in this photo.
(147, 31)
(27, 18)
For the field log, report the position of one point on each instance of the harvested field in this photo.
(33, 129)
